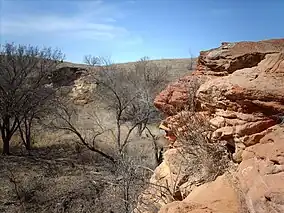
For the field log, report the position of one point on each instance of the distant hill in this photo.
(179, 67)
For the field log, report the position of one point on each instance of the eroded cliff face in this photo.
(242, 98)
(74, 82)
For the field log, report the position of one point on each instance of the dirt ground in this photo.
(52, 179)
(60, 177)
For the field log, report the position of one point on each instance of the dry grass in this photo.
(53, 179)
(61, 176)
(179, 66)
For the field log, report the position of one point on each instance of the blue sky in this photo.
(126, 30)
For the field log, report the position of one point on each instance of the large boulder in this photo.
(172, 180)
(257, 89)
(218, 196)
(232, 56)
(261, 173)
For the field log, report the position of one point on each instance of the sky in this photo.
(127, 30)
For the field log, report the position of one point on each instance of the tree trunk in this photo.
(126, 196)
(159, 156)
(28, 143)
(139, 130)
(7, 131)
(25, 132)
(6, 146)
(28, 135)
(118, 140)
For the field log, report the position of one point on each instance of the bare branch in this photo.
(24, 74)
(64, 120)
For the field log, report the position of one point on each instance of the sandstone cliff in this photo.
(242, 97)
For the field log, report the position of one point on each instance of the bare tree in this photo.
(114, 89)
(129, 176)
(131, 181)
(158, 149)
(92, 60)
(25, 128)
(65, 117)
(24, 72)
(130, 93)
(191, 62)
(149, 80)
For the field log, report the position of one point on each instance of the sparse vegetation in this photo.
(130, 94)
(65, 117)
(31, 103)
(193, 133)
(28, 96)
(191, 62)
(24, 90)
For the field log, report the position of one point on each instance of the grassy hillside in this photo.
(179, 67)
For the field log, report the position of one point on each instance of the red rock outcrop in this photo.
(215, 197)
(242, 96)
(261, 173)
(258, 89)
(230, 57)
(175, 97)
(258, 80)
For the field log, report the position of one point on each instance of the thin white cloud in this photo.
(92, 20)
(56, 25)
